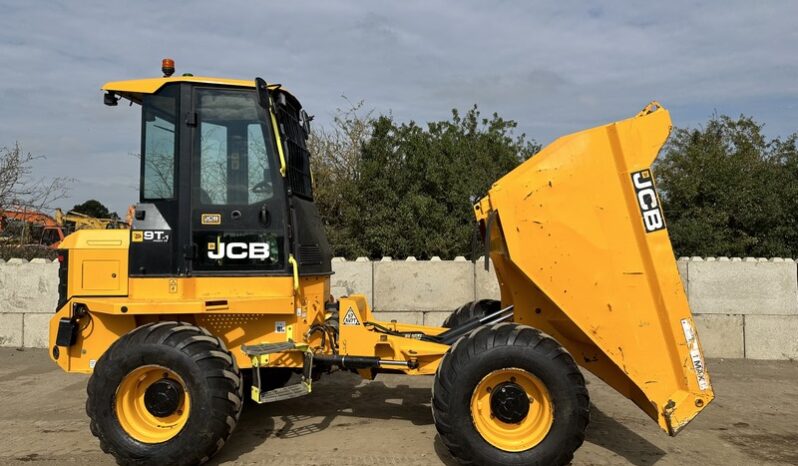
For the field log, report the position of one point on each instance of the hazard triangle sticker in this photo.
(351, 318)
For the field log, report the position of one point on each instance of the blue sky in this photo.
(554, 67)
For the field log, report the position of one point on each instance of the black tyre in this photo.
(510, 395)
(471, 310)
(165, 393)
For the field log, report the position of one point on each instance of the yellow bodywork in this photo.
(133, 89)
(239, 310)
(572, 254)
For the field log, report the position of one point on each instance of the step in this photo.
(285, 393)
(268, 348)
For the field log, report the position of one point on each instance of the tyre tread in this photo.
(204, 349)
(484, 339)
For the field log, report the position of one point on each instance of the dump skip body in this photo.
(580, 246)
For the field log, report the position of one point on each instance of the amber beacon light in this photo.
(168, 67)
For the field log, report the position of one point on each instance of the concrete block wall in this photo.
(744, 308)
(28, 296)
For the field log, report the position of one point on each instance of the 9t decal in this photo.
(648, 201)
(150, 236)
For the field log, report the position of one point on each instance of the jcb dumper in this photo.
(221, 289)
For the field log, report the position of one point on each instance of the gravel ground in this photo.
(754, 420)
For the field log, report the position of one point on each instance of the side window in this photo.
(159, 145)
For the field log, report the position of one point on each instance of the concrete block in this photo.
(28, 287)
(352, 277)
(11, 330)
(744, 287)
(435, 319)
(407, 317)
(771, 337)
(36, 330)
(486, 285)
(423, 285)
(722, 335)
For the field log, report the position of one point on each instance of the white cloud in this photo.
(553, 67)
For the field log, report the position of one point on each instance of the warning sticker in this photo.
(695, 355)
(279, 326)
(351, 318)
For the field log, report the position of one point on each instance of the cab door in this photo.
(238, 199)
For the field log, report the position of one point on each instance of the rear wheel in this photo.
(471, 310)
(165, 393)
(510, 395)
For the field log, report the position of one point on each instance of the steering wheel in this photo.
(262, 187)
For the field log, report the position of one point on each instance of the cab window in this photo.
(234, 160)
(159, 145)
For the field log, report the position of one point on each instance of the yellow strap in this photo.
(294, 264)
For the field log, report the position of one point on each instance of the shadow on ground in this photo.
(338, 395)
(346, 396)
(609, 433)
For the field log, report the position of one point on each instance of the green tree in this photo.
(410, 189)
(729, 191)
(93, 208)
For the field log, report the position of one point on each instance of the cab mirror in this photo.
(110, 99)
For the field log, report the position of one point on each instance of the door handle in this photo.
(264, 215)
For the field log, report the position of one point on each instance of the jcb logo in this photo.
(648, 201)
(220, 250)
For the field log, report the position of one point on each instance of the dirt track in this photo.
(754, 420)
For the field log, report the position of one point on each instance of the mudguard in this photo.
(580, 247)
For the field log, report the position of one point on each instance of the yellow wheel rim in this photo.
(132, 411)
(512, 436)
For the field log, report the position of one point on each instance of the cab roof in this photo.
(135, 89)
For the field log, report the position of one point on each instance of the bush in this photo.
(727, 190)
(408, 190)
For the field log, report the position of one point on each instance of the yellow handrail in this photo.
(294, 264)
(276, 130)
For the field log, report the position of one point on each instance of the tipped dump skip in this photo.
(581, 249)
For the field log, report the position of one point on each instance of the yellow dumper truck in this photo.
(221, 289)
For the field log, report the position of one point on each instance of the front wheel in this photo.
(510, 395)
(165, 393)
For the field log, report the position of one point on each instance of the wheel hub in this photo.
(509, 403)
(163, 397)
